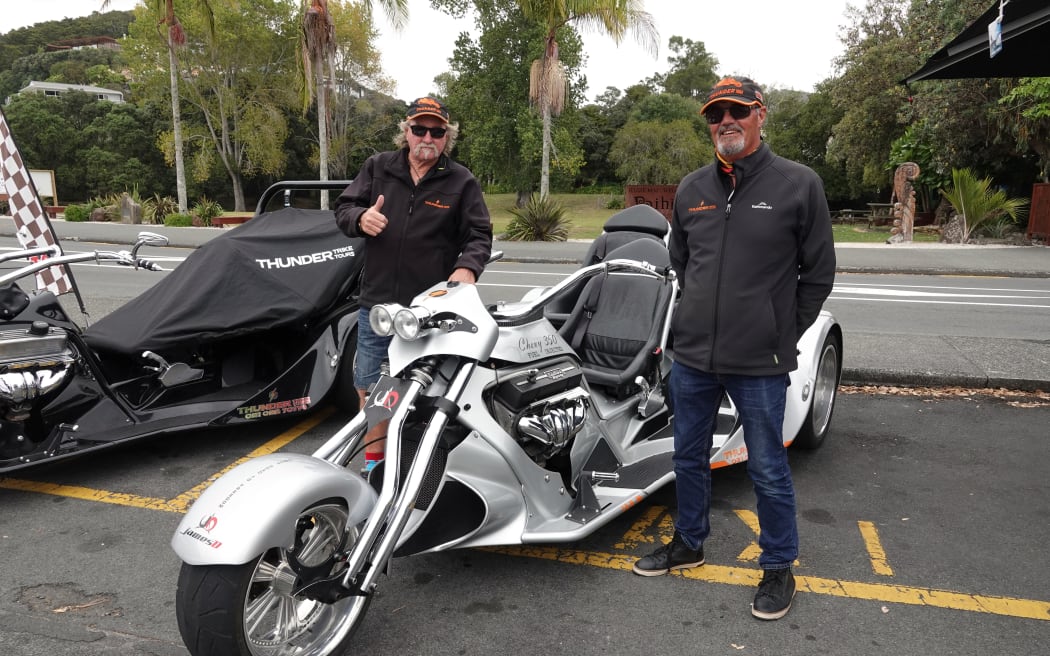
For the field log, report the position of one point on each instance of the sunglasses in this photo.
(739, 112)
(420, 130)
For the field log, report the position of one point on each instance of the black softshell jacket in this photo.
(755, 264)
(432, 229)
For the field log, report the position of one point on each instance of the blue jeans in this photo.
(371, 351)
(760, 401)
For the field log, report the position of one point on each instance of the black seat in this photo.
(635, 222)
(618, 320)
(638, 222)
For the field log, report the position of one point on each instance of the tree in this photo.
(112, 144)
(487, 90)
(649, 152)
(240, 93)
(692, 72)
(1028, 118)
(547, 77)
(176, 38)
(318, 48)
(876, 58)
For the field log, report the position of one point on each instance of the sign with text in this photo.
(658, 197)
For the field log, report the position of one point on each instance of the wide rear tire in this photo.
(825, 389)
(248, 610)
(344, 394)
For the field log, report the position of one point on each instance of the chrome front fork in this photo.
(394, 505)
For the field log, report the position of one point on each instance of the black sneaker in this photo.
(775, 592)
(674, 555)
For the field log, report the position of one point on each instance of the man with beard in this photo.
(751, 243)
(424, 220)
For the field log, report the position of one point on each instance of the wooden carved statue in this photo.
(903, 203)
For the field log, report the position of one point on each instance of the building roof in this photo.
(37, 85)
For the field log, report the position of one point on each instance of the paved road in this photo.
(920, 534)
(873, 357)
(923, 522)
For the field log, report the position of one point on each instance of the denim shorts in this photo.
(371, 352)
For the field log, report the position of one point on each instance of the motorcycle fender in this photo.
(254, 507)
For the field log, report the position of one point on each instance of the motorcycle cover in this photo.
(279, 269)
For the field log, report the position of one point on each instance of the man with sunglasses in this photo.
(424, 220)
(751, 243)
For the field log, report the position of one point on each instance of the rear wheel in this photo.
(249, 610)
(345, 394)
(825, 389)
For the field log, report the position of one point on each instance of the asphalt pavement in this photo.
(869, 358)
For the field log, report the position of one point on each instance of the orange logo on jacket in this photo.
(437, 204)
(703, 207)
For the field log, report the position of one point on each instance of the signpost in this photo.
(658, 197)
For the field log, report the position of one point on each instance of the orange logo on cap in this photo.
(428, 102)
(728, 81)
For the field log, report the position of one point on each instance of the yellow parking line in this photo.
(752, 551)
(915, 596)
(873, 544)
(85, 493)
(178, 504)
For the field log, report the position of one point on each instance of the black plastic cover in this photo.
(275, 270)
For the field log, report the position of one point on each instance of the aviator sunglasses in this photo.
(739, 112)
(437, 133)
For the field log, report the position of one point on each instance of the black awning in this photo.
(1026, 46)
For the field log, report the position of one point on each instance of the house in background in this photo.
(58, 88)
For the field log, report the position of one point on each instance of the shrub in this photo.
(78, 212)
(615, 203)
(542, 219)
(978, 203)
(206, 210)
(155, 209)
(177, 220)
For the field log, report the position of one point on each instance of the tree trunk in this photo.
(322, 126)
(176, 128)
(238, 192)
(545, 165)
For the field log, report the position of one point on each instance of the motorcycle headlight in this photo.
(409, 321)
(381, 318)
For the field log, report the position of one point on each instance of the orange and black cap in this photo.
(427, 106)
(742, 91)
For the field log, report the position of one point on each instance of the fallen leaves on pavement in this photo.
(1013, 398)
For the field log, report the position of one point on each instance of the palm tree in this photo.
(176, 37)
(547, 77)
(317, 49)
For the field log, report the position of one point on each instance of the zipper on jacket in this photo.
(718, 281)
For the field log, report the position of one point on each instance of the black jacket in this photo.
(755, 264)
(432, 229)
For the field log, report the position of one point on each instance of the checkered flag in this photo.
(31, 223)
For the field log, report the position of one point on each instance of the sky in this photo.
(776, 43)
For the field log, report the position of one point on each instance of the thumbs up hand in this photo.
(373, 221)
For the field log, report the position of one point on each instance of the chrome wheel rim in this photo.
(825, 387)
(278, 623)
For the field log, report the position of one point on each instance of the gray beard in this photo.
(730, 148)
(424, 152)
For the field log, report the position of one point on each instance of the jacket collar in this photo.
(745, 167)
(402, 167)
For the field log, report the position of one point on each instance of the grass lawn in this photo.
(588, 212)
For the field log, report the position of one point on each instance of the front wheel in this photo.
(249, 610)
(825, 389)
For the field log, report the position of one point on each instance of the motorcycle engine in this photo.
(542, 408)
(33, 362)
